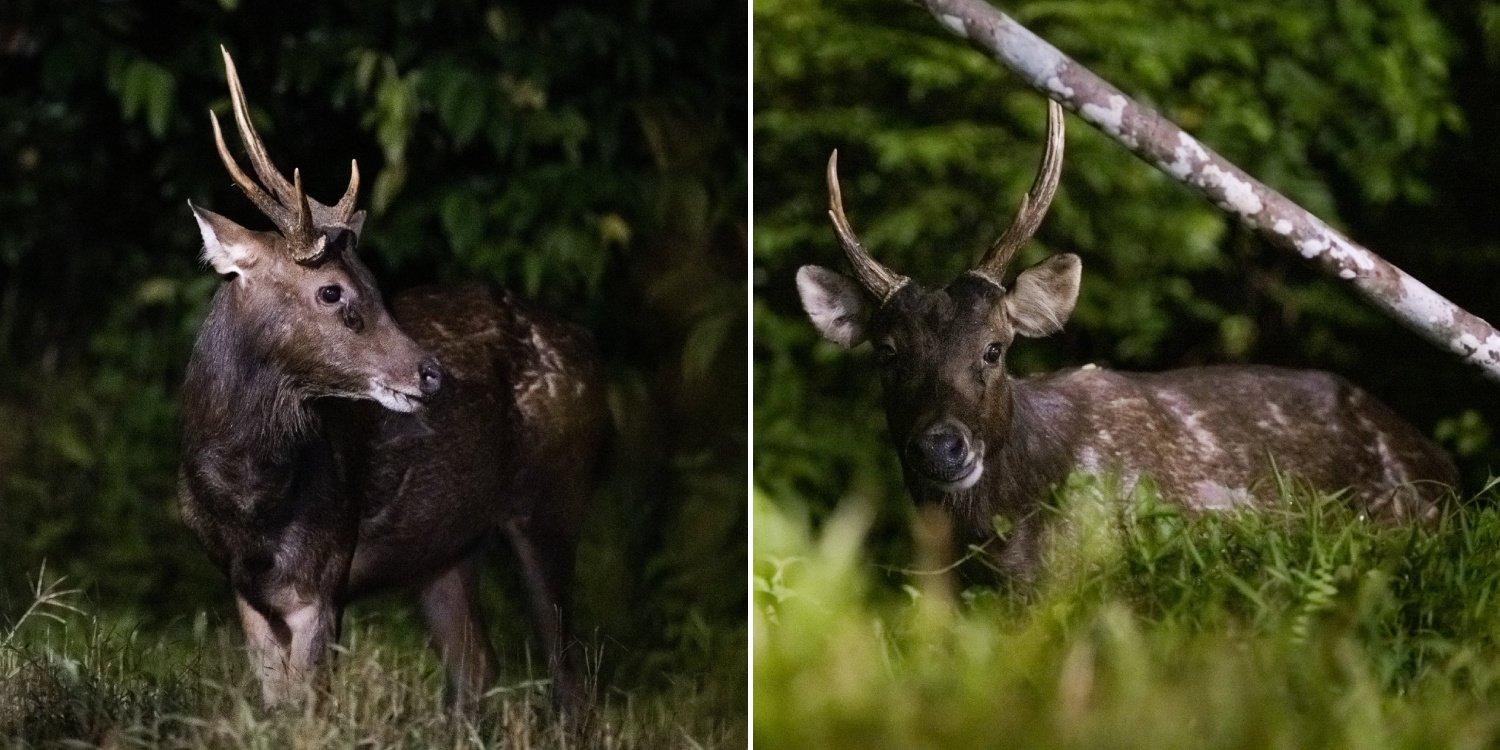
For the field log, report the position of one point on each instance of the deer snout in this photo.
(429, 376)
(943, 453)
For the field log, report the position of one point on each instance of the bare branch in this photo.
(1168, 148)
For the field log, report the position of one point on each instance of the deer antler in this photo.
(1034, 204)
(294, 214)
(879, 281)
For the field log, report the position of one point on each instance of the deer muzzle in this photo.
(945, 455)
(429, 377)
(410, 391)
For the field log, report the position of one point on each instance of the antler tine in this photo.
(267, 205)
(879, 281)
(259, 160)
(305, 243)
(344, 209)
(1034, 204)
(304, 224)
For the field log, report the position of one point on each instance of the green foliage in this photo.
(589, 156)
(1365, 113)
(1298, 626)
(72, 679)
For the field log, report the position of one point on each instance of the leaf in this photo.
(463, 219)
(703, 344)
(395, 111)
(496, 23)
(462, 101)
(1237, 335)
(614, 229)
(157, 290)
(147, 89)
(387, 184)
(64, 439)
(365, 63)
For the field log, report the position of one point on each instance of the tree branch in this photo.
(1168, 148)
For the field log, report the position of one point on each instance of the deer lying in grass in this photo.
(329, 452)
(981, 443)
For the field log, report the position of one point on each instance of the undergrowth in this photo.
(70, 679)
(1303, 625)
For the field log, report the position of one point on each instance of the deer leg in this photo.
(286, 648)
(450, 609)
(546, 562)
(312, 629)
(267, 655)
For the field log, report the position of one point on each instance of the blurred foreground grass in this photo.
(1302, 626)
(69, 679)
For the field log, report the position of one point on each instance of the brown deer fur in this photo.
(981, 443)
(331, 449)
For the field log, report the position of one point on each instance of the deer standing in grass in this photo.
(329, 452)
(980, 443)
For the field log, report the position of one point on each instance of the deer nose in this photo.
(430, 376)
(942, 451)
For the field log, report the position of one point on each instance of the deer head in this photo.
(299, 295)
(941, 351)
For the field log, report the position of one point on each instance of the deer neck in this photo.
(1034, 455)
(236, 398)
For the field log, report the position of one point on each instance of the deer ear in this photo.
(227, 246)
(834, 303)
(1044, 296)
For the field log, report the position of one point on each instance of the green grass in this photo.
(1300, 626)
(70, 679)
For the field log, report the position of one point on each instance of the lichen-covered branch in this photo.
(1170, 149)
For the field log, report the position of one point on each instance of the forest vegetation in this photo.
(590, 156)
(1303, 626)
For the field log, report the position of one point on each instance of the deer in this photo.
(334, 448)
(987, 448)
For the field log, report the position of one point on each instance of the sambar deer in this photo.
(329, 452)
(980, 443)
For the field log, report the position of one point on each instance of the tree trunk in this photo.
(1168, 148)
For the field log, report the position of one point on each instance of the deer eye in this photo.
(884, 353)
(992, 353)
(331, 294)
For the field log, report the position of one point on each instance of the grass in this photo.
(1299, 626)
(69, 679)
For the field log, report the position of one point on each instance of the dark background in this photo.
(589, 155)
(1381, 117)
